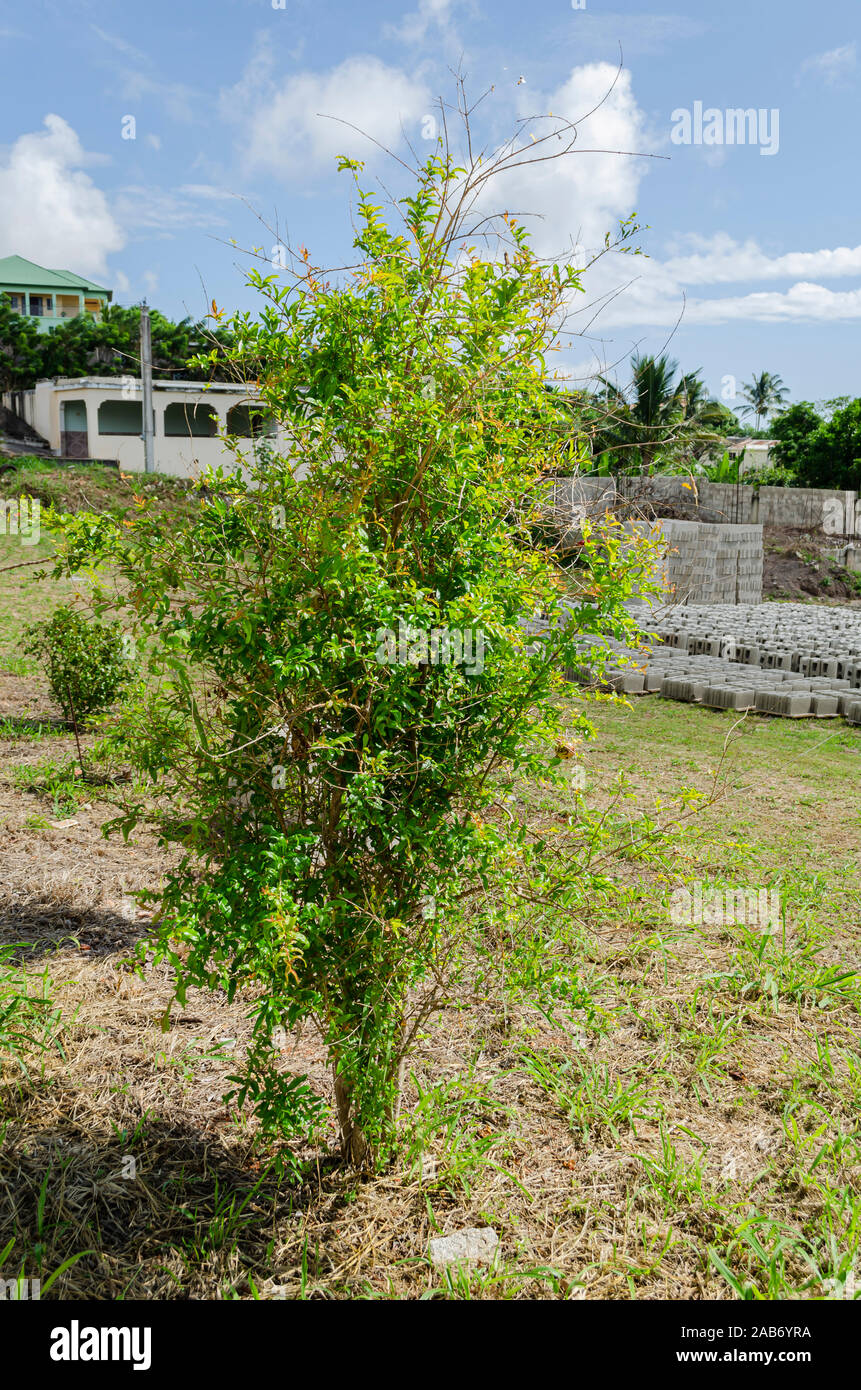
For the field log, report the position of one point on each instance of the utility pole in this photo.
(146, 387)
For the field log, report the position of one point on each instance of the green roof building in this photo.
(49, 296)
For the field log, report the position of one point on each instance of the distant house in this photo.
(49, 296)
(752, 454)
(102, 418)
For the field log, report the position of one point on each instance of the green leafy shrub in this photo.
(74, 345)
(722, 470)
(773, 475)
(84, 660)
(342, 794)
(57, 781)
(793, 429)
(831, 455)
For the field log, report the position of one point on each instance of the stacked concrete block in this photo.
(707, 564)
(790, 660)
(628, 682)
(721, 696)
(792, 704)
(798, 638)
(825, 706)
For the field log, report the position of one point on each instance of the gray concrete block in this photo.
(676, 689)
(628, 682)
(729, 697)
(793, 704)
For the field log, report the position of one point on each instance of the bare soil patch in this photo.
(797, 566)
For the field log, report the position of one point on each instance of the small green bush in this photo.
(85, 661)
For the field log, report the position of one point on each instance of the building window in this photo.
(197, 421)
(121, 417)
(93, 306)
(17, 303)
(40, 305)
(249, 421)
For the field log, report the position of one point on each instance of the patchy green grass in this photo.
(691, 1132)
(26, 595)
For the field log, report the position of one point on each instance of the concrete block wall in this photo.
(574, 499)
(703, 563)
(811, 509)
(828, 510)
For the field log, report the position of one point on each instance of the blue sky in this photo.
(755, 252)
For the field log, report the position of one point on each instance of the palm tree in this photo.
(658, 409)
(763, 395)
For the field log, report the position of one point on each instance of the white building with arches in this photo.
(101, 418)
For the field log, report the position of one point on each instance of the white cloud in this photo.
(577, 198)
(572, 202)
(835, 67)
(180, 102)
(285, 125)
(662, 288)
(581, 197)
(121, 45)
(721, 259)
(413, 28)
(657, 299)
(51, 212)
(636, 33)
(802, 303)
(569, 204)
(139, 207)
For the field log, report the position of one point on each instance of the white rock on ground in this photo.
(475, 1245)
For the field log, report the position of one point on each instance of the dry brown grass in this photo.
(615, 1200)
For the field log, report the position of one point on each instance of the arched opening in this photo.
(249, 421)
(198, 421)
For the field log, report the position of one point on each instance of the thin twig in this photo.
(43, 560)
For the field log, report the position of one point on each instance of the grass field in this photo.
(696, 1136)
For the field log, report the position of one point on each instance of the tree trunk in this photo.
(356, 1148)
